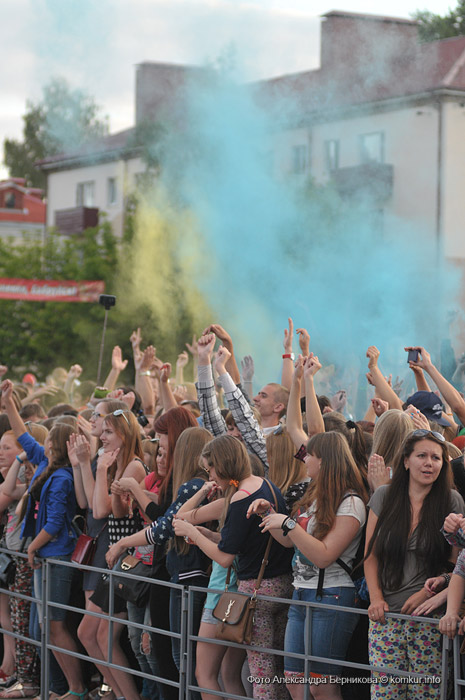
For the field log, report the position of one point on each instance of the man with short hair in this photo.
(271, 402)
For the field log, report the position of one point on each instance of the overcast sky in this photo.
(95, 44)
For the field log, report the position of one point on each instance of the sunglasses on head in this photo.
(96, 414)
(424, 433)
(121, 412)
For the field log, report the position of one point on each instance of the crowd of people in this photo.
(194, 483)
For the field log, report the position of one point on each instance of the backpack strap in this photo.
(321, 573)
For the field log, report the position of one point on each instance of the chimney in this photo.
(350, 40)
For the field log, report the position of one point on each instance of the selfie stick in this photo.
(107, 300)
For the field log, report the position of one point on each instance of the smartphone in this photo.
(412, 356)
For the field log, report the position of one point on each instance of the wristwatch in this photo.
(289, 355)
(288, 525)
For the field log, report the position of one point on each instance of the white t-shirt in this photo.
(306, 573)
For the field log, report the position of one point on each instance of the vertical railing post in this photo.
(183, 647)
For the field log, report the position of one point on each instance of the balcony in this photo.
(74, 221)
(369, 181)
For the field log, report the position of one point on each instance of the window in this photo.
(85, 194)
(332, 155)
(299, 159)
(372, 147)
(111, 191)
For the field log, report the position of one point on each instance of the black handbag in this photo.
(130, 589)
(7, 569)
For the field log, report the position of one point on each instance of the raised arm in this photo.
(294, 415)
(315, 423)
(212, 417)
(117, 366)
(247, 371)
(16, 422)
(450, 394)
(226, 341)
(145, 362)
(75, 371)
(181, 362)
(288, 356)
(101, 504)
(167, 398)
(194, 351)
(383, 390)
(240, 410)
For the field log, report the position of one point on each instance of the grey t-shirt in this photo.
(414, 574)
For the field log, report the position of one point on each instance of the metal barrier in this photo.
(188, 639)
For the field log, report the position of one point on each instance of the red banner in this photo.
(50, 290)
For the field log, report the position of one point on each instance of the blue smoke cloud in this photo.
(273, 249)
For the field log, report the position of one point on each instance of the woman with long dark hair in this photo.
(404, 548)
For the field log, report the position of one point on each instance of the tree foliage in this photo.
(63, 120)
(433, 27)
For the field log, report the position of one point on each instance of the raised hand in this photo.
(304, 341)
(206, 343)
(379, 406)
(135, 339)
(183, 359)
(3, 370)
(165, 372)
(247, 368)
(288, 333)
(180, 393)
(424, 358)
(299, 367)
(419, 420)
(7, 389)
(339, 400)
(373, 355)
(193, 347)
(312, 365)
(222, 356)
(75, 371)
(117, 361)
(147, 359)
(220, 333)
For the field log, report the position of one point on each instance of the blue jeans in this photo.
(329, 631)
(147, 663)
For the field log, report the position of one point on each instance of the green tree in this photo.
(61, 121)
(433, 27)
(43, 335)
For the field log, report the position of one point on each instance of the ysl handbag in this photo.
(235, 611)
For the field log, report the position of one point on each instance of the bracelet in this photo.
(21, 461)
(446, 578)
(146, 374)
(267, 512)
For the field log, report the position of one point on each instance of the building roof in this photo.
(365, 59)
(99, 151)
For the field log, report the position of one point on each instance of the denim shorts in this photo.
(207, 616)
(329, 631)
(61, 578)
